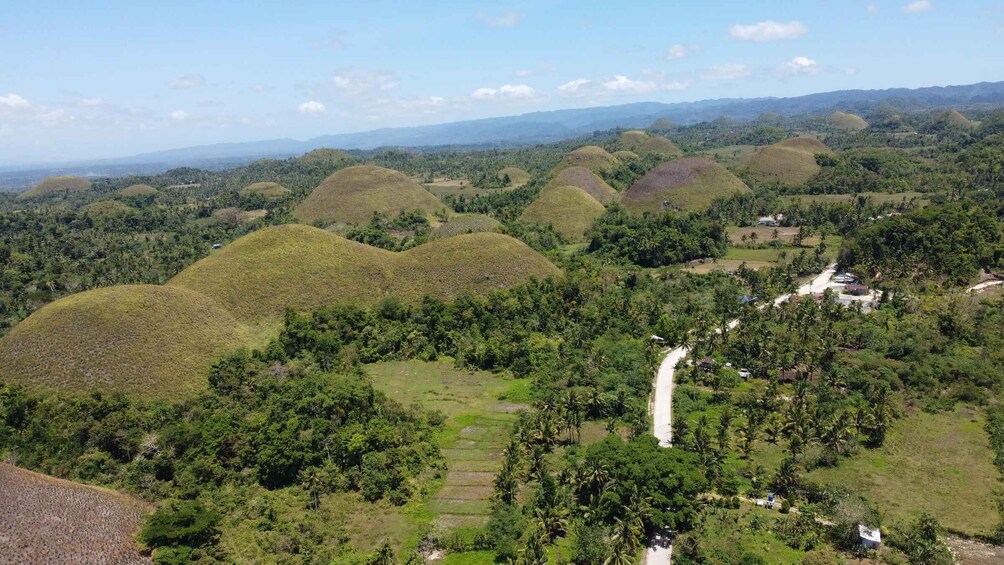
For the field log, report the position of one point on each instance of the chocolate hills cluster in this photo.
(159, 341)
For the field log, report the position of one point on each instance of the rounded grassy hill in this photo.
(138, 190)
(272, 190)
(642, 143)
(517, 176)
(846, 121)
(788, 162)
(353, 194)
(690, 183)
(144, 340)
(327, 157)
(56, 184)
(466, 223)
(569, 209)
(295, 266)
(955, 118)
(587, 181)
(596, 159)
(107, 208)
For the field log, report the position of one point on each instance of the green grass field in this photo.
(690, 183)
(353, 194)
(145, 340)
(466, 223)
(730, 155)
(138, 190)
(477, 429)
(56, 184)
(569, 209)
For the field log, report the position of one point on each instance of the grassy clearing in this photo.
(48, 520)
(569, 209)
(920, 198)
(729, 155)
(138, 190)
(294, 266)
(145, 340)
(517, 176)
(353, 194)
(939, 463)
(690, 183)
(477, 429)
(759, 255)
(788, 162)
(56, 184)
(727, 535)
(460, 187)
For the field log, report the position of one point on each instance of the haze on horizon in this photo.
(107, 79)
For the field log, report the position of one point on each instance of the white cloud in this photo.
(507, 91)
(179, 115)
(14, 102)
(363, 82)
(851, 70)
(621, 83)
(768, 31)
(872, 9)
(523, 73)
(917, 7)
(729, 71)
(574, 86)
(90, 102)
(187, 81)
(312, 107)
(679, 51)
(508, 19)
(675, 85)
(799, 66)
(259, 88)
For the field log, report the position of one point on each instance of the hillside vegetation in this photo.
(788, 162)
(138, 190)
(145, 340)
(845, 121)
(48, 520)
(266, 189)
(585, 179)
(596, 159)
(300, 267)
(690, 183)
(108, 207)
(569, 209)
(56, 184)
(327, 157)
(354, 194)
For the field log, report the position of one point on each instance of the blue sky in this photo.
(100, 79)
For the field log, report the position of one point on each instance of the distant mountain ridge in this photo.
(556, 125)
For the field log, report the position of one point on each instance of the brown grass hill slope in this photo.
(955, 118)
(56, 184)
(271, 190)
(642, 143)
(625, 156)
(596, 159)
(48, 520)
(138, 190)
(353, 194)
(845, 121)
(517, 176)
(569, 209)
(788, 162)
(325, 157)
(690, 183)
(147, 341)
(587, 181)
(466, 223)
(295, 266)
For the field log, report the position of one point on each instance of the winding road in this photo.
(660, 551)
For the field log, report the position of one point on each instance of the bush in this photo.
(181, 523)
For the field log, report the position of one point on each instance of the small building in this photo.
(856, 289)
(845, 278)
(744, 373)
(770, 221)
(707, 364)
(217, 246)
(870, 538)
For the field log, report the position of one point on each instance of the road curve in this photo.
(659, 552)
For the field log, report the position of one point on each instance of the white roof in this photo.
(869, 534)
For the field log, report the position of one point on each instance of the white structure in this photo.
(772, 221)
(870, 539)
